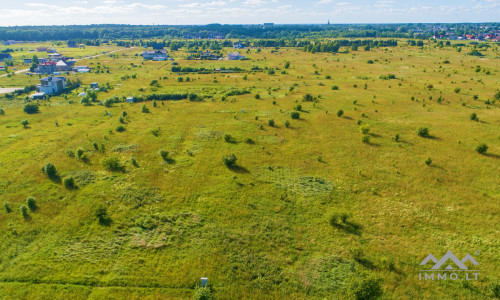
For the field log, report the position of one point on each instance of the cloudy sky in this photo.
(57, 12)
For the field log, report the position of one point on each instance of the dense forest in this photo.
(105, 32)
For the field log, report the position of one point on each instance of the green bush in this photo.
(124, 114)
(340, 113)
(145, 109)
(428, 161)
(363, 287)
(24, 211)
(31, 108)
(257, 96)
(120, 128)
(69, 182)
(49, 170)
(423, 132)
(335, 87)
(2, 112)
(481, 149)
(229, 160)
(287, 123)
(31, 203)
(101, 213)
(79, 153)
(270, 122)
(473, 117)
(295, 115)
(298, 107)
(122, 120)
(365, 129)
(6, 205)
(203, 293)
(164, 155)
(111, 163)
(365, 139)
(25, 123)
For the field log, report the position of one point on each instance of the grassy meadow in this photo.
(317, 209)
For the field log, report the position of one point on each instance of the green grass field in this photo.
(260, 229)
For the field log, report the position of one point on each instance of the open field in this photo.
(262, 228)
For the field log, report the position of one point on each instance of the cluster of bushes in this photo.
(31, 108)
(178, 69)
(237, 92)
(387, 77)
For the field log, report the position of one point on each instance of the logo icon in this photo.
(449, 263)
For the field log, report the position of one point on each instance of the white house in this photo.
(239, 46)
(156, 55)
(234, 56)
(51, 85)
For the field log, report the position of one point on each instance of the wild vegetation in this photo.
(302, 175)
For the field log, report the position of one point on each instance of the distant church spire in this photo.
(328, 21)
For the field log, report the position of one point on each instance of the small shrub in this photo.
(31, 203)
(69, 182)
(257, 96)
(396, 137)
(124, 114)
(25, 123)
(481, 149)
(122, 120)
(340, 113)
(335, 88)
(203, 293)
(111, 163)
(370, 61)
(298, 107)
(428, 161)
(31, 108)
(49, 170)
(24, 211)
(134, 162)
(101, 213)
(145, 109)
(6, 205)
(249, 141)
(2, 112)
(120, 128)
(228, 138)
(365, 139)
(229, 160)
(365, 129)
(164, 155)
(270, 122)
(363, 287)
(295, 115)
(287, 123)
(457, 90)
(423, 132)
(96, 147)
(79, 153)
(473, 117)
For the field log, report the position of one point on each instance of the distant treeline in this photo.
(177, 69)
(334, 46)
(284, 32)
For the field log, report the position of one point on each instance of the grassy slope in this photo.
(262, 229)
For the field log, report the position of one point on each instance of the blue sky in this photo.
(57, 12)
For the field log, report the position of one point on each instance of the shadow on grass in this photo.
(433, 137)
(492, 155)
(375, 135)
(345, 117)
(55, 179)
(238, 169)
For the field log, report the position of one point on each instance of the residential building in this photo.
(52, 50)
(234, 56)
(5, 57)
(155, 55)
(41, 49)
(51, 85)
(239, 46)
(55, 56)
(47, 68)
(208, 55)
